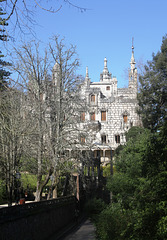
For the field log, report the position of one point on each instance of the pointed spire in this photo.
(87, 74)
(133, 71)
(87, 79)
(105, 62)
(105, 70)
(105, 65)
(132, 63)
(132, 58)
(105, 75)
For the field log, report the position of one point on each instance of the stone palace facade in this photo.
(111, 108)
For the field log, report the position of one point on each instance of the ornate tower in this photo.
(105, 76)
(87, 79)
(133, 71)
(56, 73)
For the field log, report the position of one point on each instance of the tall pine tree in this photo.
(4, 74)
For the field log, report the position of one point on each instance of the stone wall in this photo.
(39, 220)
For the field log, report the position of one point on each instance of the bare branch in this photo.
(48, 10)
(12, 11)
(82, 9)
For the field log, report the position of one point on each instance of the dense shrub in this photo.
(112, 223)
(139, 188)
(94, 207)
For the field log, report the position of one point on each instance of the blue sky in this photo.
(106, 29)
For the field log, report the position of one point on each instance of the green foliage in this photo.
(130, 160)
(162, 229)
(107, 170)
(93, 207)
(139, 187)
(118, 149)
(112, 223)
(29, 165)
(156, 155)
(153, 90)
(134, 132)
(122, 188)
(90, 170)
(29, 181)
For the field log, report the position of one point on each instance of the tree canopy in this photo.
(138, 208)
(152, 96)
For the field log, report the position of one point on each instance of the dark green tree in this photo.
(152, 96)
(129, 165)
(4, 74)
(139, 189)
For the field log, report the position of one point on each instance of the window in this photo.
(108, 88)
(92, 98)
(82, 117)
(117, 138)
(103, 115)
(125, 117)
(103, 138)
(82, 139)
(92, 116)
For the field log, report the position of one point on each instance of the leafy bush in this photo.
(29, 181)
(113, 223)
(107, 170)
(93, 207)
(162, 229)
